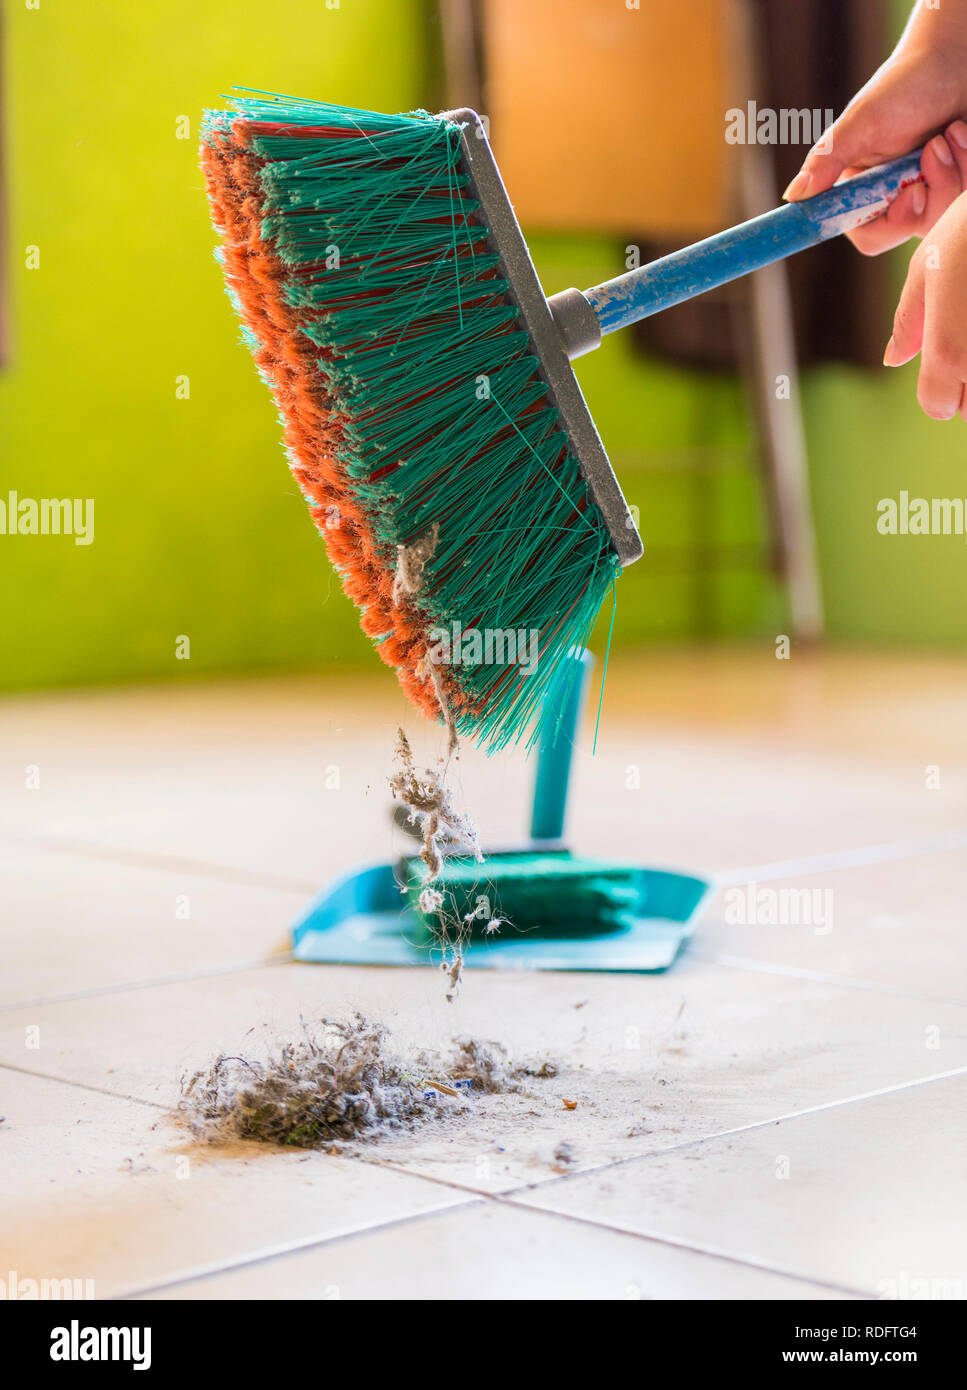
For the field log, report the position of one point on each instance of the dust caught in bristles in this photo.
(411, 561)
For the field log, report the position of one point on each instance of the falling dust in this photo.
(442, 828)
(426, 794)
(428, 798)
(342, 1082)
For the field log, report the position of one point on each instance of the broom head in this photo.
(430, 416)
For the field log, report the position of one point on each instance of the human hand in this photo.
(931, 317)
(920, 90)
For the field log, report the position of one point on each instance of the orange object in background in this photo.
(652, 156)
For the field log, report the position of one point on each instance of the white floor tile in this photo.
(869, 1196)
(73, 923)
(899, 925)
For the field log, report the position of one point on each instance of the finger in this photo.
(842, 146)
(902, 220)
(820, 170)
(942, 176)
(939, 390)
(942, 370)
(916, 208)
(956, 134)
(943, 354)
(908, 321)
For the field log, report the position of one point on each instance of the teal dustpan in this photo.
(362, 918)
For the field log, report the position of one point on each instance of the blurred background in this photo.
(123, 378)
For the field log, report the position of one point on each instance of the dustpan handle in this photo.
(554, 754)
(582, 318)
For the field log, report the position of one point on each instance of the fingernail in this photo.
(890, 356)
(919, 199)
(799, 186)
(942, 150)
(959, 132)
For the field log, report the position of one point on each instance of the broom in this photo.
(430, 414)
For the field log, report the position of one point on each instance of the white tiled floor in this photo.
(781, 1115)
(490, 1250)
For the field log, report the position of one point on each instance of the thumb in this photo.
(827, 160)
(870, 131)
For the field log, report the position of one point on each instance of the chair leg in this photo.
(773, 372)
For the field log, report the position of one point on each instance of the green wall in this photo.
(199, 529)
(868, 440)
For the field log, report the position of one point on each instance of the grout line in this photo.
(157, 982)
(765, 967)
(511, 1197)
(396, 1166)
(403, 1168)
(84, 1086)
(156, 859)
(676, 1243)
(842, 859)
(479, 1200)
(744, 1129)
(511, 1192)
(281, 1251)
(761, 873)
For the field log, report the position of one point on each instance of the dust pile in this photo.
(490, 1067)
(339, 1083)
(332, 1084)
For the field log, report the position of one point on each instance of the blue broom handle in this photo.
(761, 241)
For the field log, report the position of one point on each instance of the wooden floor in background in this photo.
(780, 1115)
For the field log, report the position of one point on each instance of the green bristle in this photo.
(556, 894)
(409, 325)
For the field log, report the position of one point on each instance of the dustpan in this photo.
(362, 918)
